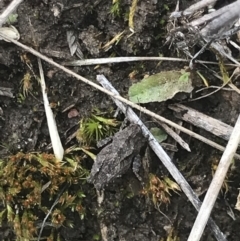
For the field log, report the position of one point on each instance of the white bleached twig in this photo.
(162, 155)
(216, 184)
(111, 60)
(52, 127)
(11, 8)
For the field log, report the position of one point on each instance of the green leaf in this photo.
(160, 87)
(184, 76)
(159, 134)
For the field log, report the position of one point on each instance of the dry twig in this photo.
(203, 121)
(130, 59)
(216, 184)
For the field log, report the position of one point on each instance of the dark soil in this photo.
(23, 125)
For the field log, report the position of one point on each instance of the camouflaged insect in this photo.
(116, 158)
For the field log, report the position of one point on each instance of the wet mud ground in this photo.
(23, 125)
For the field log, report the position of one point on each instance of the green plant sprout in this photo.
(12, 18)
(115, 8)
(95, 128)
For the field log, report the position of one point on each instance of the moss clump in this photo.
(159, 189)
(30, 184)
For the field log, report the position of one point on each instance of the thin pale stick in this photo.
(215, 185)
(138, 107)
(128, 59)
(162, 155)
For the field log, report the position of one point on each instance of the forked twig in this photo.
(162, 155)
(216, 184)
